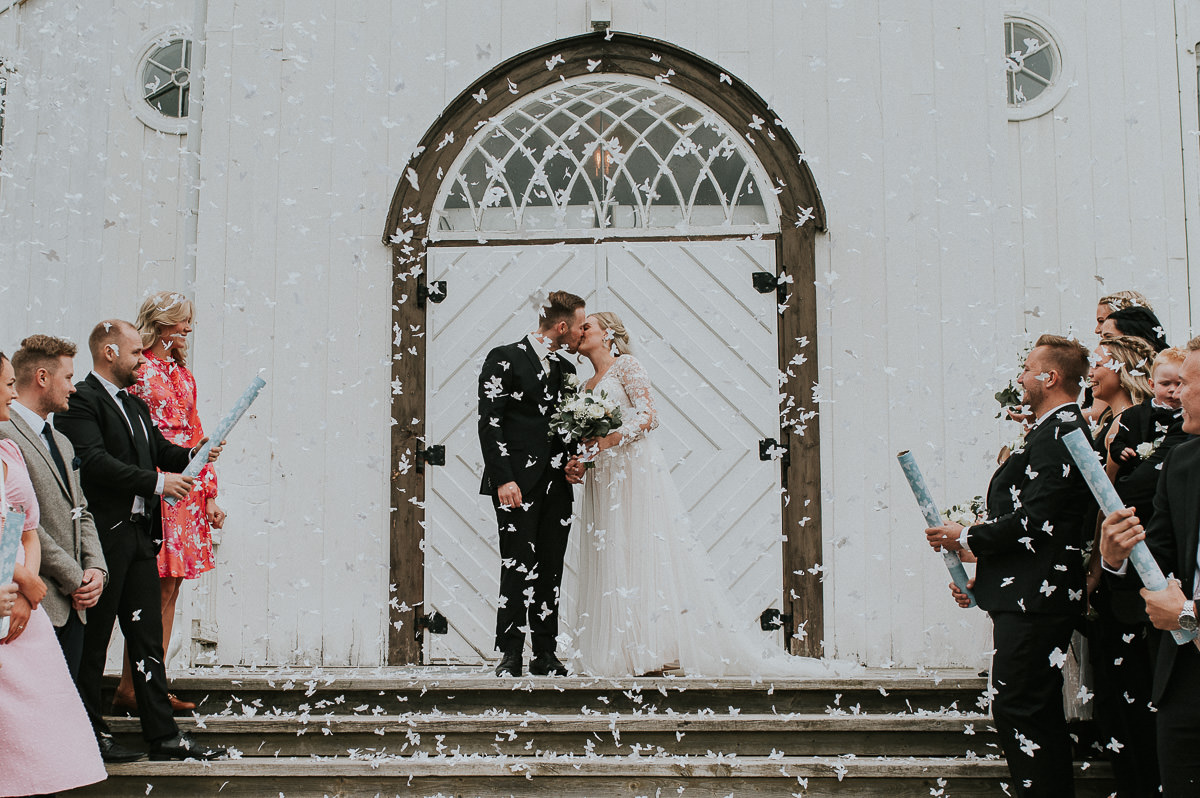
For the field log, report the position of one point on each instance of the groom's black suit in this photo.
(114, 467)
(516, 399)
(1030, 579)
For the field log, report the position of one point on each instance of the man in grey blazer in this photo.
(72, 561)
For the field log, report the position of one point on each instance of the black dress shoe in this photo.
(510, 665)
(113, 752)
(547, 664)
(182, 746)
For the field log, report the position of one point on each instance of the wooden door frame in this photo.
(802, 218)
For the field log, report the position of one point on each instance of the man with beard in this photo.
(127, 466)
(1030, 576)
(525, 475)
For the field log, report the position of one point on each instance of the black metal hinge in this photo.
(772, 619)
(435, 622)
(433, 292)
(769, 448)
(765, 283)
(434, 456)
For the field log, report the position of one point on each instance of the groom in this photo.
(524, 472)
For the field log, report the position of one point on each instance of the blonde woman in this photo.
(648, 597)
(168, 387)
(1120, 638)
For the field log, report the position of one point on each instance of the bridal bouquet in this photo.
(968, 514)
(582, 414)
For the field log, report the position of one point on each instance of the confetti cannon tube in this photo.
(1093, 473)
(933, 518)
(10, 542)
(222, 430)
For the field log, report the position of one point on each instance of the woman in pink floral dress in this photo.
(166, 385)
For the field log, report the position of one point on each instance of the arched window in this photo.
(603, 157)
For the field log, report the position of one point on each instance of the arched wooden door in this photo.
(652, 183)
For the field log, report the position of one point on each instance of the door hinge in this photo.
(770, 449)
(434, 456)
(772, 619)
(435, 622)
(765, 283)
(433, 292)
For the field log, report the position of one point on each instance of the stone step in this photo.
(543, 777)
(329, 734)
(404, 690)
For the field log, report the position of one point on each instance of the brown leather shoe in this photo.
(179, 705)
(128, 704)
(124, 704)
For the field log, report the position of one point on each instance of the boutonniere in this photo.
(1145, 450)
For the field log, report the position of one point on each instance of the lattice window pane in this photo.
(605, 156)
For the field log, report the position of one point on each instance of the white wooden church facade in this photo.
(923, 183)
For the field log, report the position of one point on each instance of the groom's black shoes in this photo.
(510, 665)
(546, 664)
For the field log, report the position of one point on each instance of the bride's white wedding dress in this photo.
(647, 593)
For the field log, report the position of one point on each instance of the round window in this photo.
(166, 74)
(1033, 67)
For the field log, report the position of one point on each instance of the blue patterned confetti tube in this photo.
(10, 543)
(933, 518)
(1093, 473)
(222, 431)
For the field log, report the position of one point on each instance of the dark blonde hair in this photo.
(164, 309)
(617, 337)
(1070, 357)
(40, 352)
(1119, 300)
(559, 306)
(1133, 357)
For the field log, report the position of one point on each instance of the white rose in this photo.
(595, 411)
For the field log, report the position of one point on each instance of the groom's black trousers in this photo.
(533, 543)
(1027, 702)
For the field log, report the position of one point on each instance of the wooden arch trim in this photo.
(802, 217)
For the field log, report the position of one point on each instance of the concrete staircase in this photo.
(431, 731)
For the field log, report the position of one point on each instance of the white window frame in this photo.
(134, 93)
(1045, 102)
(490, 126)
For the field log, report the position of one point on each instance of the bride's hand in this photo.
(607, 442)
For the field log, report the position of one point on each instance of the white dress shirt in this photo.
(35, 421)
(139, 504)
(541, 348)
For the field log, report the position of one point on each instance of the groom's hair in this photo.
(560, 306)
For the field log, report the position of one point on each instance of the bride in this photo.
(649, 600)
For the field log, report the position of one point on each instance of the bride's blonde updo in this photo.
(616, 336)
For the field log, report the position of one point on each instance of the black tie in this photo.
(56, 455)
(140, 442)
(554, 376)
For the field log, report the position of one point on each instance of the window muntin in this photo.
(603, 157)
(1031, 61)
(166, 78)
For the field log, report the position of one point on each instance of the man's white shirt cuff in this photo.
(1115, 571)
(962, 539)
(158, 488)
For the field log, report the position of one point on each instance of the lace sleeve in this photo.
(636, 383)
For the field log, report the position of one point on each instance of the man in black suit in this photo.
(121, 452)
(1030, 576)
(525, 474)
(1172, 536)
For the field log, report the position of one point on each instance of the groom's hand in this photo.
(574, 471)
(509, 495)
